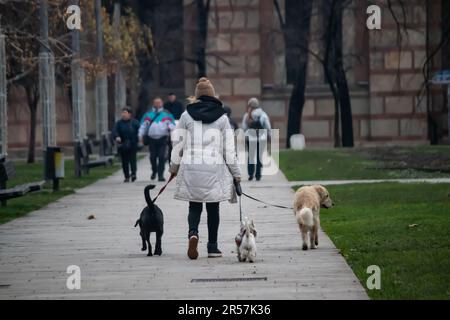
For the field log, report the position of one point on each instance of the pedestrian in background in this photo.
(174, 106)
(256, 124)
(125, 133)
(233, 123)
(156, 126)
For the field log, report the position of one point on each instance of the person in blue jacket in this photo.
(125, 133)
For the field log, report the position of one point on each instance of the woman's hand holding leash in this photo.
(237, 185)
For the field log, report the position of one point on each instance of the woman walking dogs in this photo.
(205, 163)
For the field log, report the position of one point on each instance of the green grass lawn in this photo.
(341, 164)
(402, 228)
(33, 201)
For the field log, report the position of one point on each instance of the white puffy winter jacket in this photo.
(204, 159)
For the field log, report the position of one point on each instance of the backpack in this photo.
(255, 124)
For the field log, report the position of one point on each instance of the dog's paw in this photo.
(143, 249)
(158, 252)
(149, 254)
(313, 247)
(316, 242)
(305, 247)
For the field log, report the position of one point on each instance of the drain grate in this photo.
(230, 279)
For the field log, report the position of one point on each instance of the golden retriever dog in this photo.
(307, 203)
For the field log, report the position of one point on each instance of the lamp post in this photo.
(53, 161)
(3, 100)
(78, 98)
(101, 83)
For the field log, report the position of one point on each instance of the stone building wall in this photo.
(246, 58)
(396, 79)
(233, 51)
(19, 122)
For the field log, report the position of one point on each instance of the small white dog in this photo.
(246, 241)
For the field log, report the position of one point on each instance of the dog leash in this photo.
(267, 204)
(163, 188)
(237, 185)
(240, 194)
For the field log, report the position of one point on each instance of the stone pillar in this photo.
(3, 100)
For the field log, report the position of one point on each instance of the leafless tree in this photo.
(296, 38)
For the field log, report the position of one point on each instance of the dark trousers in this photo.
(254, 160)
(195, 211)
(158, 148)
(128, 162)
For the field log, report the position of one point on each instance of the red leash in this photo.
(164, 187)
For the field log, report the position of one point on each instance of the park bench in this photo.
(85, 151)
(8, 171)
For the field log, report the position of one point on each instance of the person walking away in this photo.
(256, 124)
(233, 123)
(157, 125)
(125, 133)
(206, 165)
(174, 106)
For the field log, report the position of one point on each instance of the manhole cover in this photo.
(230, 279)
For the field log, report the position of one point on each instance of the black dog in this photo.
(151, 220)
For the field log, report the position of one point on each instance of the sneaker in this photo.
(192, 249)
(162, 180)
(153, 177)
(258, 179)
(213, 251)
(126, 180)
(250, 178)
(133, 178)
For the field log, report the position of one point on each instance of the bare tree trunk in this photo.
(335, 73)
(342, 84)
(202, 19)
(296, 37)
(329, 63)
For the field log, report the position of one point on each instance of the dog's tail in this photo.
(137, 222)
(305, 217)
(147, 195)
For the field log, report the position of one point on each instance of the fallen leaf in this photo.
(91, 217)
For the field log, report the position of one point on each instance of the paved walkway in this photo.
(36, 250)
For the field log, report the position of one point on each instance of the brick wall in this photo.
(233, 51)
(396, 77)
(19, 121)
(246, 58)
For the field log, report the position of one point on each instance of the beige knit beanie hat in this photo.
(204, 88)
